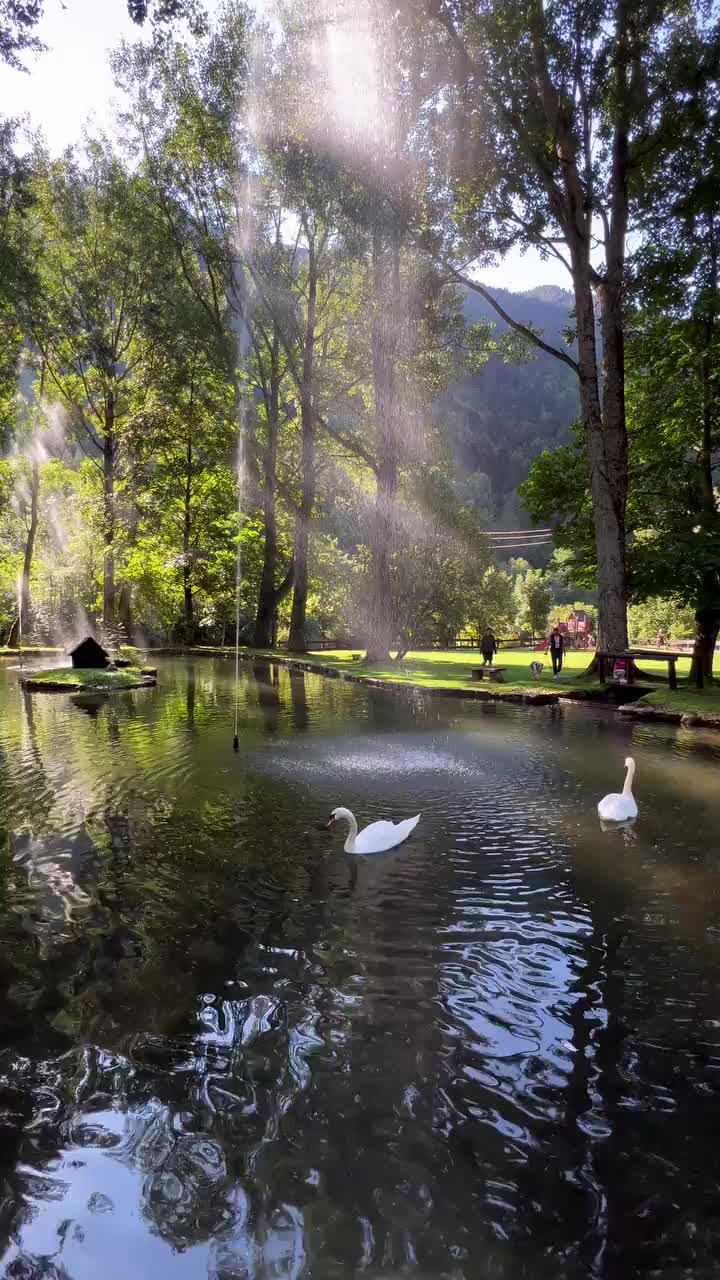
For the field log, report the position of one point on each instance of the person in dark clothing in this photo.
(557, 648)
(488, 648)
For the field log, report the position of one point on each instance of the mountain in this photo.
(502, 417)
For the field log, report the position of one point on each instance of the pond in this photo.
(228, 1049)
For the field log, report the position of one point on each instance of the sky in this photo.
(69, 85)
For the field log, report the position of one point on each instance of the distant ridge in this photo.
(550, 293)
(501, 418)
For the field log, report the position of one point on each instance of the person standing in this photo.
(557, 649)
(488, 647)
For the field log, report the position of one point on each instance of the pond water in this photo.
(227, 1049)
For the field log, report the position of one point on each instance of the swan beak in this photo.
(330, 822)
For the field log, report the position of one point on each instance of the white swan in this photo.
(619, 807)
(378, 837)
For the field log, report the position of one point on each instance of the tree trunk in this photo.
(125, 612)
(707, 614)
(262, 637)
(604, 427)
(707, 629)
(607, 448)
(612, 473)
(25, 602)
(189, 617)
(109, 516)
(270, 595)
(189, 620)
(296, 639)
(385, 341)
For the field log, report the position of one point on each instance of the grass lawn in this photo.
(74, 678)
(37, 651)
(451, 669)
(687, 700)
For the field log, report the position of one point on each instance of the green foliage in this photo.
(659, 613)
(438, 561)
(557, 492)
(533, 597)
(163, 294)
(18, 19)
(674, 544)
(490, 605)
(18, 279)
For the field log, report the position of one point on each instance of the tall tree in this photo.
(269, 374)
(533, 595)
(182, 441)
(677, 286)
(545, 110)
(672, 383)
(184, 128)
(17, 278)
(97, 281)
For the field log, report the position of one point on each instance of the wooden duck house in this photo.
(88, 653)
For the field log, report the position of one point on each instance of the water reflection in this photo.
(90, 703)
(624, 830)
(228, 1050)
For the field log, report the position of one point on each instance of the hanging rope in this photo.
(20, 623)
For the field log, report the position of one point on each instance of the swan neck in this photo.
(352, 824)
(627, 789)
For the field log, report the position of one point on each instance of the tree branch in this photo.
(351, 445)
(514, 324)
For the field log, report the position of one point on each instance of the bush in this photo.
(660, 614)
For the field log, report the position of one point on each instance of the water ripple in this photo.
(227, 1049)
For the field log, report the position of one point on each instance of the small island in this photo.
(72, 679)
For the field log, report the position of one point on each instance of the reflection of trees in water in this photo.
(298, 700)
(266, 693)
(190, 697)
(27, 1266)
(205, 1085)
(192, 1116)
(275, 1063)
(56, 867)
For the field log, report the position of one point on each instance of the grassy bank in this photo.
(685, 701)
(452, 669)
(29, 651)
(71, 679)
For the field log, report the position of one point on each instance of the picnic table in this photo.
(607, 659)
(489, 673)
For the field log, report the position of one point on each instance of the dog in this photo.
(536, 668)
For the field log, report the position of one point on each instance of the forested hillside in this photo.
(503, 416)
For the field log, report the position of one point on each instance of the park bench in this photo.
(489, 673)
(607, 659)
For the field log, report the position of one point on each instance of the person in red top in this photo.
(557, 649)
